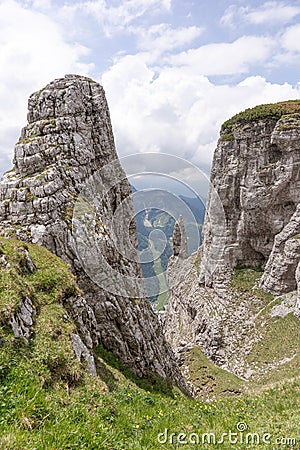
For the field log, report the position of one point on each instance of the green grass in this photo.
(227, 137)
(129, 416)
(281, 342)
(246, 279)
(212, 381)
(51, 281)
(162, 300)
(49, 402)
(275, 357)
(268, 111)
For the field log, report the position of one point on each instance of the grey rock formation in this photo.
(22, 321)
(68, 140)
(29, 264)
(195, 314)
(280, 272)
(252, 220)
(82, 352)
(180, 239)
(256, 175)
(4, 263)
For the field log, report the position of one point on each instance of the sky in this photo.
(173, 70)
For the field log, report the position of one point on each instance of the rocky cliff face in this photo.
(65, 159)
(280, 271)
(252, 221)
(256, 174)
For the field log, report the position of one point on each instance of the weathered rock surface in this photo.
(252, 220)
(280, 272)
(67, 140)
(256, 174)
(22, 321)
(180, 239)
(225, 324)
(82, 352)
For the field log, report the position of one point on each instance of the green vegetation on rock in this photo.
(49, 351)
(268, 111)
(52, 281)
(275, 356)
(246, 279)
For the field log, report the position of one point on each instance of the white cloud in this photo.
(271, 12)
(116, 18)
(274, 12)
(160, 99)
(226, 58)
(288, 50)
(231, 15)
(33, 52)
(176, 111)
(162, 37)
(291, 39)
(42, 4)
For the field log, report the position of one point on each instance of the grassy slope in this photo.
(268, 347)
(47, 401)
(212, 381)
(277, 355)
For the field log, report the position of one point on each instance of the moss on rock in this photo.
(266, 111)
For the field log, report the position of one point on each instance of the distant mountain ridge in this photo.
(157, 219)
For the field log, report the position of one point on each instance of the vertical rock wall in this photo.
(69, 139)
(252, 220)
(256, 174)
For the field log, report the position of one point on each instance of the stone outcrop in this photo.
(22, 321)
(256, 175)
(180, 239)
(68, 142)
(280, 272)
(252, 220)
